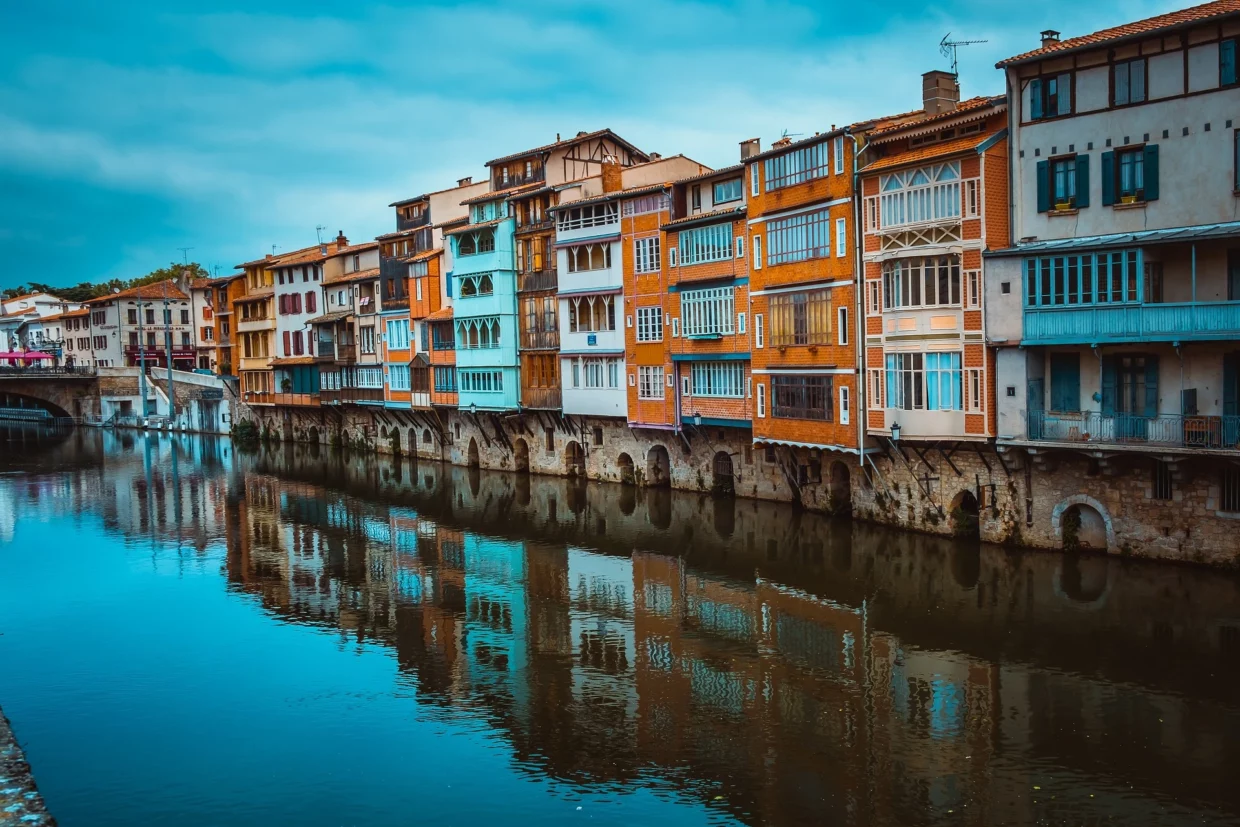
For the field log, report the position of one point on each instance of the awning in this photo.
(328, 318)
(26, 356)
(1177, 235)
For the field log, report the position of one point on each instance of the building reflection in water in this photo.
(781, 666)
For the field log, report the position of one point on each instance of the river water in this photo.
(192, 635)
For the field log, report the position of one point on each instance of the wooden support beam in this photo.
(947, 457)
(982, 456)
(922, 456)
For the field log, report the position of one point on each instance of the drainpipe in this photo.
(1194, 271)
(859, 299)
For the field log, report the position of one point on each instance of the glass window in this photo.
(728, 191)
(1131, 170)
(703, 244)
(719, 379)
(801, 318)
(798, 238)
(708, 312)
(649, 324)
(802, 397)
(797, 166)
(1128, 82)
(1063, 180)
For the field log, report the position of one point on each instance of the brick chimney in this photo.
(780, 143)
(1049, 36)
(465, 182)
(939, 92)
(613, 177)
(341, 241)
(750, 148)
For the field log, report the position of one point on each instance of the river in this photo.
(195, 635)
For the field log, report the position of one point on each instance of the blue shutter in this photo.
(1063, 94)
(1082, 181)
(1108, 179)
(1151, 172)
(1044, 186)
(1151, 386)
(1035, 99)
(1108, 386)
(1227, 62)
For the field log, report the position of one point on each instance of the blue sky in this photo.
(128, 130)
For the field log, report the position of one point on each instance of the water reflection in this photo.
(779, 667)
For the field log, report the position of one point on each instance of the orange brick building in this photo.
(933, 197)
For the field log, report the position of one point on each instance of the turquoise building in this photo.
(484, 294)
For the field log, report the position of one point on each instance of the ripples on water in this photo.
(190, 635)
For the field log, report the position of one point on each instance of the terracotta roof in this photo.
(353, 248)
(401, 233)
(440, 315)
(812, 139)
(941, 149)
(256, 297)
(426, 255)
(27, 296)
(274, 260)
(359, 275)
(71, 314)
(328, 318)
(222, 280)
(497, 194)
(292, 360)
(452, 222)
(166, 289)
(481, 225)
(403, 202)
(1141, 28)
(708, 216)
(614, 196)
(963, 108)
(199, 284)
(566, 142)
(737, 168)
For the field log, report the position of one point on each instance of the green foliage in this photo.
(87, 290)
(245, 433)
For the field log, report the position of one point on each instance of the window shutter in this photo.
(287, 347)
(1227, 62)
(1108, 386)
(1035, 99)
(1151, 385)
(1108, 178)
(1082, 181)
(1064, 96)
(1231, 385)
(1151, 172)
(1044, 186)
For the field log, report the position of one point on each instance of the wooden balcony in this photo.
(1160, 322)
(541, 398)
(297, 400)
(349, 396)
(538, 339)
(537, 280)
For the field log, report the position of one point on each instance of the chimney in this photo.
(781, 142)
(465, 182)
(613, 177)
(341, 241)
(750, 148)
(939, 92)
(1048, 37)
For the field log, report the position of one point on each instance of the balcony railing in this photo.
(1133, 322)
(536, 280)
(33, 372)
(296, 399)
(545, 223)
(326, 350)
(1219, 433)
(395, 303)
(422, 220)
(542, 398)
(540, 339)
(344, 396)
(535, 176)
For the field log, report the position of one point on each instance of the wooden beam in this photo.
(947, 457)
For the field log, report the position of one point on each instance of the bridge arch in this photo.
(22, 401)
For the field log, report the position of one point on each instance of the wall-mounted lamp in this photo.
(697, 419)
(895, 432)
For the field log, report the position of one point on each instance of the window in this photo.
(150, 315)
(646, 255)
(366, 339)
(797, 238)
(312, 302)
(445, 379)
(1229, 489)
(475, 334)
(757, 252)
(1130, 175)
(703, 244)
(1128, 82)
(708, 312)
(739, 244)
(802, 397)
(1227, 63)
(761, 405)
(729, 190)
(593, 215)
(649, 382)
(1162, 483)
(696, 197)
(796, 167)
(481, 381)
(929, 381)
(718, 379)
(1235, 160)
(921, 282)
(801, 318)
(591, 314)
(1131, 183)
(841, 238)
(839, 154)
(758, 332)
(398, 377)
(646, 204)
(973, 289)
(475, 243)
(753, 180)
(973, 390)
(133, 312)
(420, 269)
(971, 198)
(845, 406)
(587, 257)
(1051, 96)
(842, 324)
(740, 322)
(472, 286)
(649, 324)
(207, 334)
(398, 334)
(874, 290)
(1091, 278)
(918, 196)
(877, 398)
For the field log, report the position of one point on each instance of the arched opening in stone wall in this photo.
(1084, 579)
(722, 481)
(658, 467)
(312, 435)
(574, 459)
(521, 455)
(624, 463)
(426, 436)
(472, 460)
(841, 489)
(725, 517)
(966, 516)
(413, 442)
(1082, 528)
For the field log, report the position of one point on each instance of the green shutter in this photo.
(1151, 386)
(1227, 62)
(1063, 86)
(1108, 178)
(1044, 186)
(1231, 385)
(1035, 99)
(1151, 172)
(1108, 386)
(1082, 181)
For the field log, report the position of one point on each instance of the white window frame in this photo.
(874, 297)
(740, 323)
(757, 252)
(974, 390)
(841, 238)
(754, 182)
(685, 388)
(706, 244)
(740, 246)
(878, 388)
(675, 328)
(845, 407)
(758, 332)
(650, 323)
(650, 384)
(718, 379)
(761, 404)
(838, 147)
(646, 256)
(841, 324)
(708, 311)
(973, 289)
(673, 257)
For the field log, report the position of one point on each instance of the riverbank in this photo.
(20, 802)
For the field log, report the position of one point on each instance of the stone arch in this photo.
(34, 403)
(840, 489)
(1083, 580)
(472, 461)
(521, 455)
(426, 436)
(1093, 528)
(312, 434)
(624, 463)
(723, 480)
(574, 459)
(658, 467)
(965, 515)
(413, 442)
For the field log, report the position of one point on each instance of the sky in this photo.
(129, 130)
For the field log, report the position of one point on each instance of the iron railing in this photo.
(1165, 430)
(36, 372)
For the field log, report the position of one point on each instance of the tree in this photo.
(87, 290)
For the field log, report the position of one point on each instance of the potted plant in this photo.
(1128, 199)
(286, 385)
(1060, 206)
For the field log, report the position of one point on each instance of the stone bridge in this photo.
(61, 392)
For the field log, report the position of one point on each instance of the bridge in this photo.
(33, 393)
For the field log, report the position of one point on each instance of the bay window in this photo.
(800, 318)
(704, 244)
(708, 312)
(718, 379)
(924, 381)
(802, 397)
(933, 281)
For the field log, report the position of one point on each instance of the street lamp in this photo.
(895, 432)
(473, 407)
(697, 419)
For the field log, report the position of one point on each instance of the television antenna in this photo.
(185, 255)
(947, 48)
(318, 231)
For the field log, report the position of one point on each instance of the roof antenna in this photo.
(947, 48)
(318, 231)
